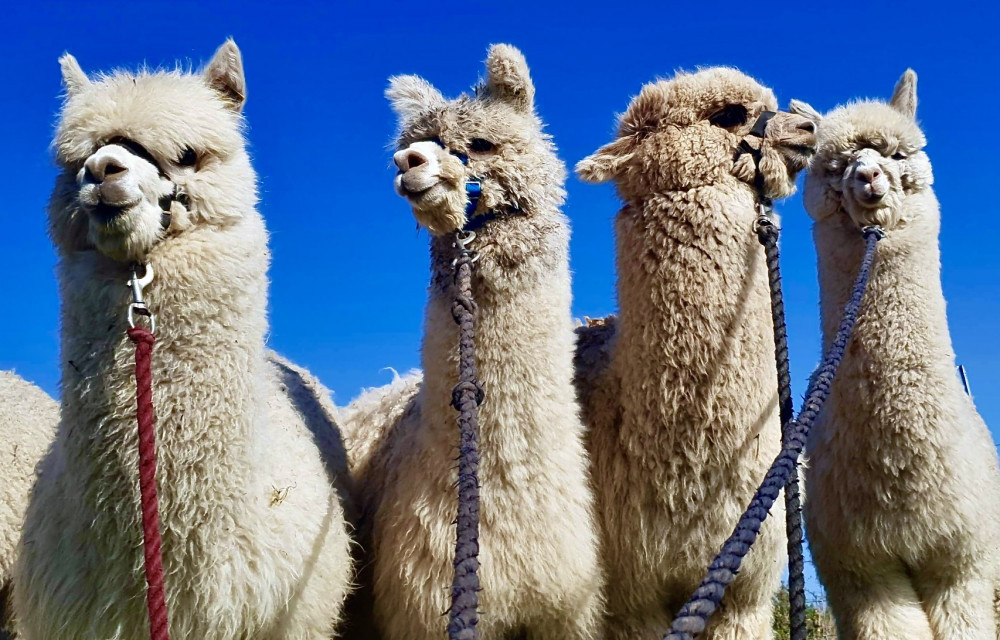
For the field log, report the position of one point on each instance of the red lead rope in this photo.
(151, 541)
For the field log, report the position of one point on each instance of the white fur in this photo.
(903, 486)
(28, 420)
(250, 470)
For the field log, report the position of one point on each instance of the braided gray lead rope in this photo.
(466, 398)
(767, 233)
(693, 616)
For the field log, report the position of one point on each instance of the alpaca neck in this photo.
(694, 326)
(524, 342)
(902, 326)
(209, 295)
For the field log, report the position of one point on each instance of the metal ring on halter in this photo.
(873, 228)
(763, 218)
(138, 305)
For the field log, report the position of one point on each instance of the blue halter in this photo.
(473, 188)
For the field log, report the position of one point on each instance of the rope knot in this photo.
(141, 335)
(461, 388)
(462, 307)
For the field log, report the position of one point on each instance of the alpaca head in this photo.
(493, 137)
(870, 157)
(146, 156)
(686, 132)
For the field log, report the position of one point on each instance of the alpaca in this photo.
(255, 545)
(28, 420)
(679, 390)
(538, 541)
(903, 483)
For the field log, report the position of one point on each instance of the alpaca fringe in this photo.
(693, 616)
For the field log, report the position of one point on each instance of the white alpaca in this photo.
(680, 390)
(538, 541)
(28, 420)
(254, 536)
(903, 511)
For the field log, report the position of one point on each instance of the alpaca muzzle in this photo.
(113, 177)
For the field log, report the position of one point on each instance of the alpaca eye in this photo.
(481, 145)
(732, 115)
(899, 156)
(188, 159)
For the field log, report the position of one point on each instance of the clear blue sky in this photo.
(350, 270)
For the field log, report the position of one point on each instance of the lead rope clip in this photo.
(138, 304)
(463, 240)
(764, 218)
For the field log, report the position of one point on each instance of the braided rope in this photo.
(767, 233)
(693, 616)
(466, 398)
(151, 542)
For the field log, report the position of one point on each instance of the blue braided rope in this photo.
(767, 233)
(693, 616)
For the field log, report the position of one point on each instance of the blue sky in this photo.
(350, 269)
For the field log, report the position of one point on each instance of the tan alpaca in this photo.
(681, 397)
(254, 537)
(28, 420)
(538, 542)
(904, 492)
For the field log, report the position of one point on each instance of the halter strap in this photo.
(757, 131)
(165, 201)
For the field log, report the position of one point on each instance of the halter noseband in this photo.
(165, 201)
(474, 191)
(759, 127)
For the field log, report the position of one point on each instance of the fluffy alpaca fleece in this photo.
(904, 492)
(538, 541)
(28, 420)
(254, 536)
(679, 390)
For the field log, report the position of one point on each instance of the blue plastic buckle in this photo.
(473, 189)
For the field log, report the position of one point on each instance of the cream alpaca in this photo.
(904, 493)
(28, 419)
(538, 543)
(681, 395)
(255, 543)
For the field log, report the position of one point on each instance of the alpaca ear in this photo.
(73, 77)
(607, 162)
(224, 73)
(805, 110)
(412, 95)
(508, 79)
(645, 112)
(904, 97)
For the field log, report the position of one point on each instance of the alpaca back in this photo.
(28, 421)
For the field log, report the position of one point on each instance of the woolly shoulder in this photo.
(28, 416)
(369, 416)
(313, 403)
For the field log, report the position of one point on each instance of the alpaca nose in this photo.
(868, 174)
(807, 126)
(409, 159)
(101, 167)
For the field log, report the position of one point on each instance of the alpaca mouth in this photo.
(105, 213)
(413, 184)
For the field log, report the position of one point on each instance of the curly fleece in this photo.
(679, 390)
(254, 537)
(903, 509)
(538, 539)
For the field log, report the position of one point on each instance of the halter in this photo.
(165, 201)
(744, 147)
(474, 191)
